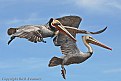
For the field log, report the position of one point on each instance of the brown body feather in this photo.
(55, 61)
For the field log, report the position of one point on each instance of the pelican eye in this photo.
(90, 37)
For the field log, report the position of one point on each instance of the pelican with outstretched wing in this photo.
(36, 33)
(72, 54)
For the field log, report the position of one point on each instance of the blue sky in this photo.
(25, 59)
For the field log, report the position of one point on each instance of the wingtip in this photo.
(100, 31)
(105, 28)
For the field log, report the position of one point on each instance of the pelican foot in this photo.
(43, 40)
(63, 72)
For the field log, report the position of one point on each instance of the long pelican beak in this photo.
(60, 27)
(95, 42)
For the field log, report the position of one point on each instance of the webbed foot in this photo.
(63, 72)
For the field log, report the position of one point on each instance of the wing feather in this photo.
(32, 34)
(72, 21)
(69, 47)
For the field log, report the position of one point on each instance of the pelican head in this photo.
(56, 25)
(51, 27)
(89, 39)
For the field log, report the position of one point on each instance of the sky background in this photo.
(25, 59)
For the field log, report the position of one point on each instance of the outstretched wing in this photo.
(68, 46)
(34, 33)
(33, 36)
(72, 21)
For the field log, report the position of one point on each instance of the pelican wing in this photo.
(83, 31)
(68, 46)
(34, 33)
(72, 21)
(33, 36)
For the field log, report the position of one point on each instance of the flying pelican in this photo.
(36, 33)
(72, 54)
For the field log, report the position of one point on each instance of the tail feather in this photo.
(11, 31)
(55, 61)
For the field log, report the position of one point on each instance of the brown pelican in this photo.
(72, 55)
(68, 46)
(36, 33)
